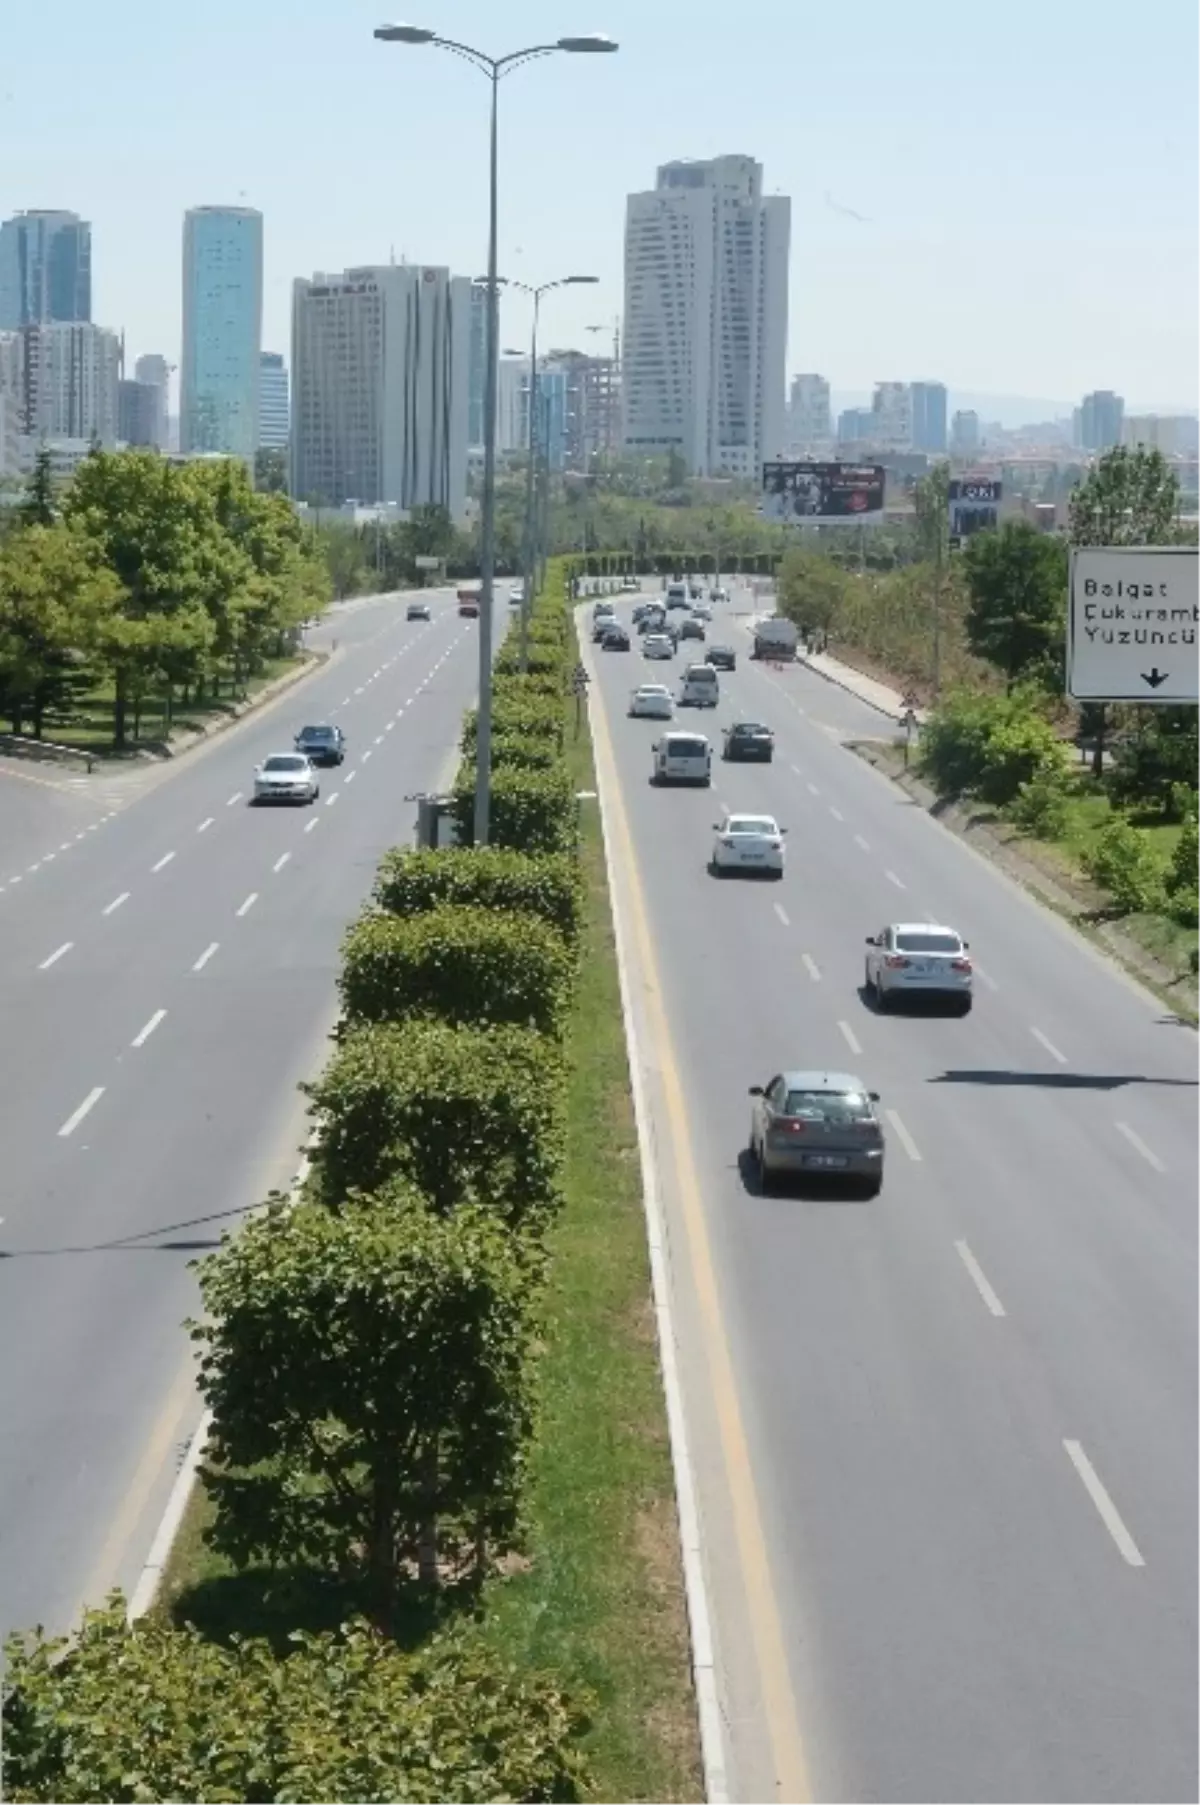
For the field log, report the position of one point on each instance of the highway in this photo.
(168, 957)
(969, 1407)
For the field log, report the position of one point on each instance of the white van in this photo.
(701, 687)
(682, 758)
(677, 595)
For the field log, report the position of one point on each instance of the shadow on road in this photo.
(1063, 1081)
(143, 1243)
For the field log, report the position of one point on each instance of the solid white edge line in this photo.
(977, 1274)
(1139, 1146)
(76, 1117)
(850, 1038)
(139, 1040)
(704, 1673)
(1045, 1041)
(1108, 1513)
(811, 967)
(206, 955)
(902, 1135)
(56, 955)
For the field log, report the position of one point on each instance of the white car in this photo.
(918, 958)
(718, 594)
(658, 645)
(748, 843)
(516, 595)
(652, 702)
(629, 586)
(701, 611)
(682, 758)
(286, 777)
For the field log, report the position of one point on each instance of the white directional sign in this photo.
(1132, 623)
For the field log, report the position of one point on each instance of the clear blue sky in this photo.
(1027, 170)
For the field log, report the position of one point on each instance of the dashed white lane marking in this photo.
(810, 966)
(206, 824)
(1139, 1146)
(850, 1038)
(836, 813)
(902, 1135)
(859, 841)
(813, 790)
(165, 860)
(92, 826)
(65, 847)
(56, 955)
(81, 835)
(359, 690)
(1108, 1512)
(1044, 1041)
(30, 869)
(139, 1040)
(390, 725)
(987, 978)
(16, 879)
(76, 1117)
(236, 797)
(281, 861)
(112, 907)
(782, 914)
(206, 955)
(379, 739)
(248, 904)
(366, 755)
(980, 1281)
(330, 800)
(893, 879)
(350, 776)
(309, 825)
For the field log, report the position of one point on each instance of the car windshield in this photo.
(927, 942)
(751, 824)
(282, 761)
(828, 1106)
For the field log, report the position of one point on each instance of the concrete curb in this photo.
(313, 662)
(146, 1591)
(704, 1666)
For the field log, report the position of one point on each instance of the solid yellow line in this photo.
(787, 1746)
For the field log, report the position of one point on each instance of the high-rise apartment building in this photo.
(810, 422)
(222, 330)
(511, 384)
(856, 427)
(1100, 417)
(965, 436)
(1175, 435)
(590, 405)
(380, 378)
(274, 411)
(154, 370)
(706, 296)
(892, 407)
(70, 372)
(929, 417)
(478, 365)
(45, 268)
(138, 405)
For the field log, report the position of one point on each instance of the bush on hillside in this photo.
(1123, 862)
(458, 964)
(488, 877)
(1042, 806)
(989, 746)
(465, 1114)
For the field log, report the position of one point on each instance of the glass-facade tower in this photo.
(222, 331)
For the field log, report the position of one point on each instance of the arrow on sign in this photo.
(1154, 677)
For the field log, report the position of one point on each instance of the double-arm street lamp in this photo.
(494, 68)
(528, 560)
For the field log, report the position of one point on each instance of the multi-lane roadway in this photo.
(945, 1440)
(168, 957)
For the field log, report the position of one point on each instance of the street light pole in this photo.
(494, 68)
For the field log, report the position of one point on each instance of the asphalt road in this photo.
(166, 983)
(971, 1404)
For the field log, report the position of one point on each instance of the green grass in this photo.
(88, 724)
(598, 1596)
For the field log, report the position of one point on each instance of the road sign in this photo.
(1131, 624)
(579, 681)
(424, 562)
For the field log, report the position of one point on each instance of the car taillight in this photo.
(960, 965)
(895, 961)
(791, 1127)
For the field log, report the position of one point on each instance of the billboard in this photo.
(823, 494)
(974, 505)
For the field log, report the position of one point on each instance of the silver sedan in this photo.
(918, 958)
(817, 1124)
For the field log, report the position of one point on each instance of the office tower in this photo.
(1172, 434)
(929, 417)
(810, 422)
(138, 411)
(71, 371)
(856, 428)
(222, 330)
(554, 385)
(380, 377)
(893, 410)
(706, 295)
(156, 371)
(965, 437)
(1100, 418)
(478, 366)
(45, 269)
(589, 405)
(274, 410)
(511, 384)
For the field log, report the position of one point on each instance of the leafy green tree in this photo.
(1016, 614)
(931, 503)
(39, 506)
(271, 470)
(368, 1376)
(55, 605)
(1123, 862)
(812, 590)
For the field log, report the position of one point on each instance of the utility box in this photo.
(436, 824)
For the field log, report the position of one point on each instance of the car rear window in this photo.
(317, 733)
(829, 1106)
(750, 728)
(751, 824)
(928, 943)
(283, 763)
(686, 748)
(700, 673)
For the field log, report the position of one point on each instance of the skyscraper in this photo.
(892, 406)
(706, 288)
(380, 379)
(45, 268)
(810, 423)
(222, 330)
(965, 437)
(155, 371)
(929, 416)
(138, 412)
(274, 414)
(1100, 419)
(71, 373)
(478, 362)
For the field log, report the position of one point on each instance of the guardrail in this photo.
(16, 745)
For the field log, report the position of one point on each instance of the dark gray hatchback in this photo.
(323, 745)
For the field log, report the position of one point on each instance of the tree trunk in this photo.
(427, 1541)
(382, 1556)
(1098, 749)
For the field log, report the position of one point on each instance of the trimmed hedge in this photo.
(465, 1114)
(533, 811)
(411, 881)
(458, 964)
(540, 717)
(521, 752)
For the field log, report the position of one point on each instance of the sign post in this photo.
(579, 683)
(1131, 624)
